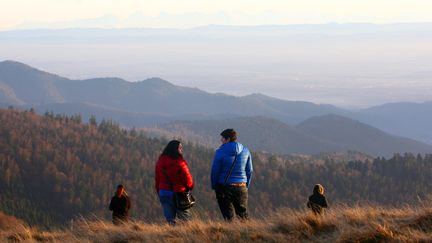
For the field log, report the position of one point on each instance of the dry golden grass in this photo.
(342, 224)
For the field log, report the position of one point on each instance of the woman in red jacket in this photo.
(172, 175)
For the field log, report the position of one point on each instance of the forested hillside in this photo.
(53, 168)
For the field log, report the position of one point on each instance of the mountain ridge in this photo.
(24, 86)
(320, 134)
(155, 95)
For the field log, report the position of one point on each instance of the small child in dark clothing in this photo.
(120, 205)
(317, 201)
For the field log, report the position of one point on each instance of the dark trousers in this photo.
(232, 199)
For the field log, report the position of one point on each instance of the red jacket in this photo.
(176, 170)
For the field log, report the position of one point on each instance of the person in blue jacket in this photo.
(231, 176)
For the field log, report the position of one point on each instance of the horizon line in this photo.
(214, 25)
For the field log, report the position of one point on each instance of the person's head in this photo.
(174, 149)
(318, 189)
(228, 135)
(120, 190)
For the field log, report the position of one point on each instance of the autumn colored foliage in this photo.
(55, 168)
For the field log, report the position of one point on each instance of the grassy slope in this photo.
(342, 224)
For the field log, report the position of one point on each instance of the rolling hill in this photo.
(155, 101)
(406, 119)
(257, 133)
(24, 85)
(328, 133)
(355, 135)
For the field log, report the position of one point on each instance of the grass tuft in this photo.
(340, 224)
(423, 222)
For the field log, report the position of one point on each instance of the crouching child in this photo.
(317, 201)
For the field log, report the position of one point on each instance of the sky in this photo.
(190, 13)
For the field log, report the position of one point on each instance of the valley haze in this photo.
(348, 65)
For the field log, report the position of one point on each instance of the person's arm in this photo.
(157, 179)
(128, 203)
(249, 169)
(111, 206)
(325, 204)
(215, 171)
(309, 202)
(186, 176)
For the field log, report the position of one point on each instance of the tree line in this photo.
(55, 167)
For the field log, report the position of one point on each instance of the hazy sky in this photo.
(190, 13)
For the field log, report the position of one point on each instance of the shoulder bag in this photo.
(182, 200)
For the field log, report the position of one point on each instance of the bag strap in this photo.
(232, 166)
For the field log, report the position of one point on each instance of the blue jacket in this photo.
(222, 162)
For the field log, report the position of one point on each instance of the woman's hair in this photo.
(171, 149)
(318, 189)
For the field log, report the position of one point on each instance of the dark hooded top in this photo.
(317, 202)
(120, 207)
